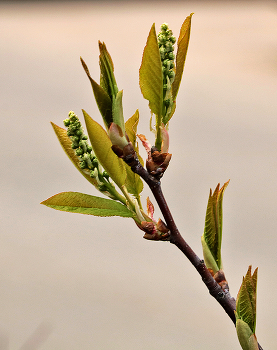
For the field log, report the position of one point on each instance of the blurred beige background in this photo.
(71, 281)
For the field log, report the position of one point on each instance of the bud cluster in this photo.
(79, 142)
(83, 151)
(165, 42)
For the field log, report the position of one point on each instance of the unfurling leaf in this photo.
(75, 202)
(182, 49)
(101, 145)
(102, 98)
(66, 144)
(246, 311)
(150, 74)
(246, 299)
(212, 237)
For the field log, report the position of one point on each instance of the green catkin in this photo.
(79, 142)
(83, 150)
(165, 42)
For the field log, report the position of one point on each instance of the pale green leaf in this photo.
(182, 48)
(150, 74)
(102, 148)
(75, 202)
(66, 145)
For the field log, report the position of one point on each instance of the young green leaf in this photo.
(102, 148)
(150, 74)
(102, 98)
(182, 49)
(212, 237)
(66, 145)
(75, 202)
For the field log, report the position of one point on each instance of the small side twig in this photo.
(224, 298)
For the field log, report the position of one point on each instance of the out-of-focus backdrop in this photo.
(71, 281)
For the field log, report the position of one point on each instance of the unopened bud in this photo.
(66, 122)
(117, 137)
(173, 39)
(164, 26)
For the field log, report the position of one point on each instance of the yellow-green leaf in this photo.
(66, 145)
(133, 182)
(75, 202)
(182, 48)
(101, 145)
(150, 74)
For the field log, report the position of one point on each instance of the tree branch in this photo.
(222, 296)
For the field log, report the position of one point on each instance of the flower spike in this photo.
(166, 41)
